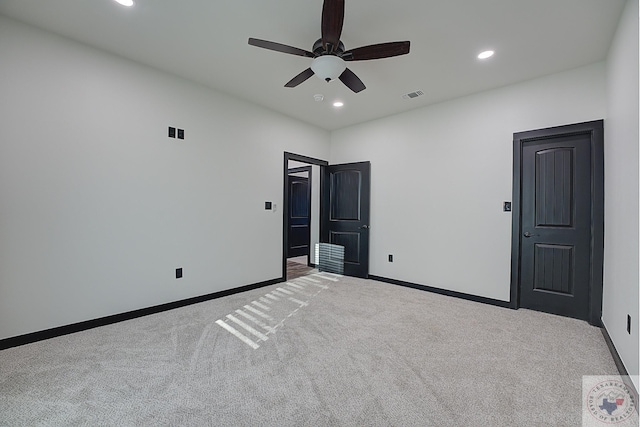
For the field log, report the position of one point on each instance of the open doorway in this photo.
(302, 220)
(299, 183)
(301, 201)
(339, 215)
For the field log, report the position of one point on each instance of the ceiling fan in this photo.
(329, 54)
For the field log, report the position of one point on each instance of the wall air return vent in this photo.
(413, 94)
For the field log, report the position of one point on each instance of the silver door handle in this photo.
(366, 227)
(527, 234)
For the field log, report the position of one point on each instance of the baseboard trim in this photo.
(475, 298)
(115, 318)
(618, 361)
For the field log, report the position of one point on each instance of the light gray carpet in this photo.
(350, 352)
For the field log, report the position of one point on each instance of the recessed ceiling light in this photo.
(486, 54)
(338, 104)
(127, 3)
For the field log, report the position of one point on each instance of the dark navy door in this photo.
(556, 225)
(347, 198)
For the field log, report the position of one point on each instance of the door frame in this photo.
(307, 169)
(285, 200)
(596, 131)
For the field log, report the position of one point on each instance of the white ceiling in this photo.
(206, 41)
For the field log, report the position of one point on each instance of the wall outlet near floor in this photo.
(390, 258)
(178, 273)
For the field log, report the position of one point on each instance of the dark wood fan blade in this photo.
(332, 19)
(377, 51)
(352, 81)
(279, 47)
(300, 78)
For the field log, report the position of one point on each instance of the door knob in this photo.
(527, 234)
(366, 227)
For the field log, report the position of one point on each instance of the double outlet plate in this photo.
(172, 133)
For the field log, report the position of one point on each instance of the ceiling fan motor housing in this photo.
(319, 50)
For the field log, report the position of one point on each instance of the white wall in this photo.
(621, 279)
(441, 173)
(99, 206)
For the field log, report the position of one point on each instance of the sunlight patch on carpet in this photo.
(297, 291)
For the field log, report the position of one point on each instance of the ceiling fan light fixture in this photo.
(338, 104)
(328, 67)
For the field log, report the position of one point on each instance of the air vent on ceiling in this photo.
(413, 94)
